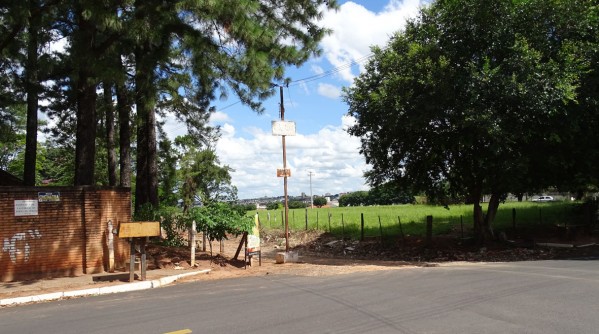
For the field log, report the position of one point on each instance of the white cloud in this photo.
(328, 90)
(227, 131)
(219, 117)
(355, 29)
(331, 154)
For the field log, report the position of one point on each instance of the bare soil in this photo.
(325, 254)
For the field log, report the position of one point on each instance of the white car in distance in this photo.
(543, 199)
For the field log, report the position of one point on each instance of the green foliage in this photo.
(356, 198)
(273, 205)
(12, 135)
(167, 169)
(477, 98)
(219, 219)
(202, 178)
(58, 163)
(244, 208)
(164, 57)
(345, 221)
(297, 205)
(319, 201)
(388, 194)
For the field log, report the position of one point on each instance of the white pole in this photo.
(311, 197)
(192, 232)
(110, 241)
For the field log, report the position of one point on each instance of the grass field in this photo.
(385, 220)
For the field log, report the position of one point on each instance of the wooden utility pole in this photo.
(285, 177)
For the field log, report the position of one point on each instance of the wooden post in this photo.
(361, 227)
(241, 243)
(142, 262)
(342, 228)
(132, 260)
(306, 219)
(192, 238)
(403, 239)
(317, 220)
(381, 229)
(429, 230)
(514, 219)
(329, 222)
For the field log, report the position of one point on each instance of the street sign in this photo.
(283, 172)
(283, 128)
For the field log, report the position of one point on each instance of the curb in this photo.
(100, 291)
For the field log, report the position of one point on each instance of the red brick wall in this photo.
(66, 237)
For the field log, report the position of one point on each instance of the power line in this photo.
(298, 82)
(332, 71)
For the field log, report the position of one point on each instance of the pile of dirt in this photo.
(321, 248)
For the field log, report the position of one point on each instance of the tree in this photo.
(356, 198)
(202, 179)
(389, 193)
(12, 135)
(273, 205)
(165, 58)
(320, 201)
(465, 100)
(242, 47)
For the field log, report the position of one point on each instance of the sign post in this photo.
(283, 129)
(138, 231)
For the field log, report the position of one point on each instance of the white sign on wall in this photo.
(283, 128)
(27, 207)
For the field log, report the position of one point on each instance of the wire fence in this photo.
(390, 221)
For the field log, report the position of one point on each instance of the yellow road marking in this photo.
(183, 331)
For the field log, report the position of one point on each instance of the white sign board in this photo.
(283, 128)
(26, 207)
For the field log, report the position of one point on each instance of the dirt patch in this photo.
(325, 254)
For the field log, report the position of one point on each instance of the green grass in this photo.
(347, 221)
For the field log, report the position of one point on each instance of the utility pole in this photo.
(311, 197)
(285, 177)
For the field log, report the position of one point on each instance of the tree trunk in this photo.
(124, 110)
(110, 134)
(491, 213)
(146, 186)
(85, 87)
(483, 223)
(141, 161)
(32, 84)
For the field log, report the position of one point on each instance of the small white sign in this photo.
(283, 128)
(27, 207)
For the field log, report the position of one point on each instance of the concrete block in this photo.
(109, 277)
(286, 257)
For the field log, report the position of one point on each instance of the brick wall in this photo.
(67, 236)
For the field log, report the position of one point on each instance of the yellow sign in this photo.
(139, 229)
(254, 236)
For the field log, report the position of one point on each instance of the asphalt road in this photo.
(524, 297)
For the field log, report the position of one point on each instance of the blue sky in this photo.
(321, 145)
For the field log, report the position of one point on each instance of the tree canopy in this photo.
(477, 98)
(126, 65)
